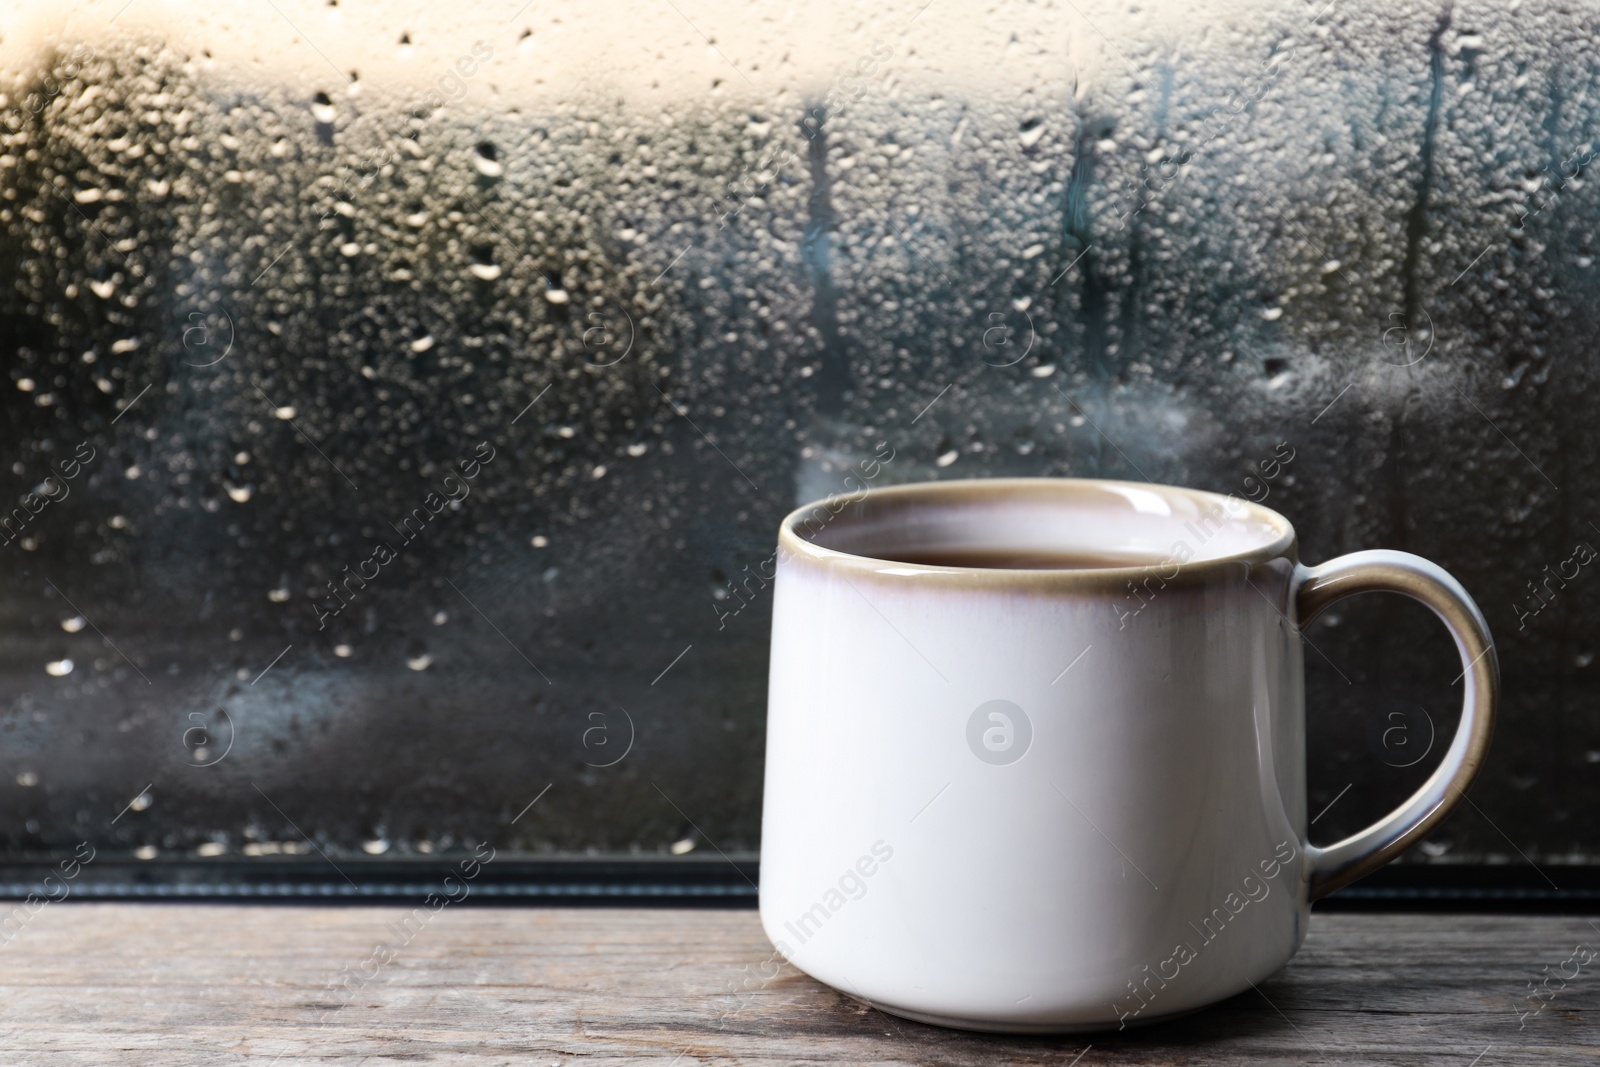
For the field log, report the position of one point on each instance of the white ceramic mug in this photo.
(1061, 799)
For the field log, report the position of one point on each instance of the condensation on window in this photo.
(399, 406)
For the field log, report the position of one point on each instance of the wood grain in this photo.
(222, 984)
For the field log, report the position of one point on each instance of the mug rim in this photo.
(790, 541)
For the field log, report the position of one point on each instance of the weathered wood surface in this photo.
(213, 984)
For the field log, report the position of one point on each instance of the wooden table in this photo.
(223, 984)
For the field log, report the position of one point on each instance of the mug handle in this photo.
(1384, 571)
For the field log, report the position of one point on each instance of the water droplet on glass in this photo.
(419, 661)
(146, 852)
(947, 459)
(322, 108)
(238, 493)
(556, 296)
(487, 271)
(540, 541)
(343, 651)
(422, 344)
(278, 595)
(58, 668)
(683, 847)
(73, 624)
(440, 618)
(27, 779)
(285, 413)
(376, 847)
(486, 159)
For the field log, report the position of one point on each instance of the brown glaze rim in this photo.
(981, 490)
